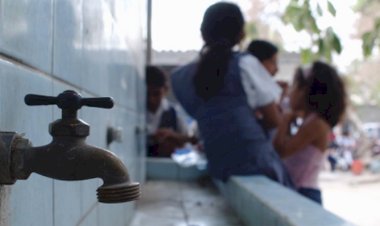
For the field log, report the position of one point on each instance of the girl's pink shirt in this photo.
(304, 166)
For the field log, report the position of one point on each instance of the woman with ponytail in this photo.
(222, 90)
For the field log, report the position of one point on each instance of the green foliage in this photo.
(251, 30)
(326, 42)
(302, 15)
(368, 43)
(306, 56)
(371, 39)
(362, 5)
(319, 10)
(331, 8)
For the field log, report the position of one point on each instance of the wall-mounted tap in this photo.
(67, 157)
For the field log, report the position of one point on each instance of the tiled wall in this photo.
(91, 46)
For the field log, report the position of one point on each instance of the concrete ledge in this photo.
(259, 201)
(167, 169)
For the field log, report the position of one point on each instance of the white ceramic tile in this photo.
(112, 214)
(67, 202)
(90, 219)
(33, 121)
(72, 40)
(68, 32)
(26, 31)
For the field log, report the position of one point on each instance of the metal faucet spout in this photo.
(70, 158)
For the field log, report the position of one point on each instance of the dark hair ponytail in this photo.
(221, 29)
(209, 78)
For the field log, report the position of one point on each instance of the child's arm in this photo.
(270, 115)
(309, 131)
(168, 135)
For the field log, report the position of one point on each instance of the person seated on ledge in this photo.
(215, 90)
(167, 130)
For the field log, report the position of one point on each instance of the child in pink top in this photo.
(318, 97)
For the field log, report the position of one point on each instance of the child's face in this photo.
(271, 65)
(154, 97)
(297, 97)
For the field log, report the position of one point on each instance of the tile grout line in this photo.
(16, 61)
(84, 216)
(52, 91)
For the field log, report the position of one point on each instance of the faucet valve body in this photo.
(12, 146)
(6, 141)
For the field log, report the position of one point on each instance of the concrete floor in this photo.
(354, 198)
(174, 203)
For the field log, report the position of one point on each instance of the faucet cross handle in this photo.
(69, 100)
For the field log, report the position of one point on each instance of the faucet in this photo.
(67, 157)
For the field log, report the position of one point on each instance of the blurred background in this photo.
(344, 33)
